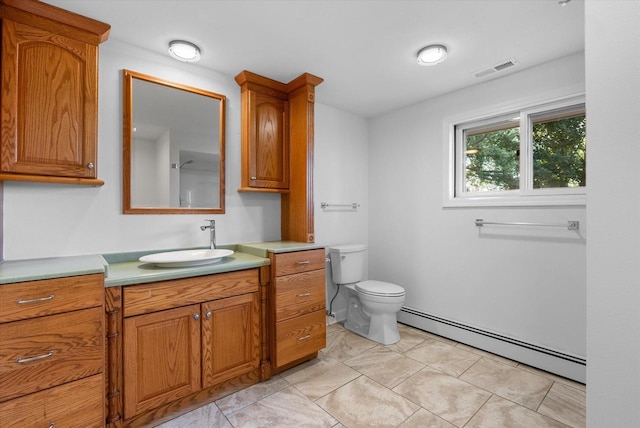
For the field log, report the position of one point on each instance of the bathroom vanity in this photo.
(138, 344)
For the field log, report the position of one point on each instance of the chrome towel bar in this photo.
(353, 205)
(570, 225)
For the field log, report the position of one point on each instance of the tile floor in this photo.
(422, 381)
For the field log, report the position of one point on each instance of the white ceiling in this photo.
(364, 49)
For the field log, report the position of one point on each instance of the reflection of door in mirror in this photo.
(173, 147)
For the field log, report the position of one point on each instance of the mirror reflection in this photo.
(173, 147)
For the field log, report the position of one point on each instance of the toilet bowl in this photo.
(372, 305)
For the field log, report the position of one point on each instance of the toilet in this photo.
(371, 305)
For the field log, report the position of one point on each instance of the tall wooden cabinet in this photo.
(52, 352)
(277, 146)
(49, 93)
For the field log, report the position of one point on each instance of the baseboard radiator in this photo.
(560, 363)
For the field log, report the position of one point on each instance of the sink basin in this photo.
(186, 258)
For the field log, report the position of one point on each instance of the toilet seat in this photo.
(379, 288)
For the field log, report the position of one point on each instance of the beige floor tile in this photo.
(250, 395)
(365, 403)
(553, 377)
(425, 419)
(444, 395)
(512, 383)
(344, 344)
(287, 408)
(409, 338)
(204, 417)
(320, 376)
(444, 357)
(385, 366)
(565, 404)
(501, 413)
(482, 353)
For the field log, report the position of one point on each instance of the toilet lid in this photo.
(379, 288)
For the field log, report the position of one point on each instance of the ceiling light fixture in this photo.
(184, 51)
(563, 2)
(432, 55)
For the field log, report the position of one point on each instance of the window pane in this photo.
(492, 158)
(559, 148)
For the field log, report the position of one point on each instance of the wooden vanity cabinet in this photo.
(184, 340)
(49, 93)
(298, 308)
(52, 352)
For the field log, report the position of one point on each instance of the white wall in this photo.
(340, 177)
(613, 255)
(527, 284)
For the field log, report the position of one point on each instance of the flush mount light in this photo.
(184, 51)
(432, 55)
(563, 2)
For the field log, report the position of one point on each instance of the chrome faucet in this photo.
(212, 231)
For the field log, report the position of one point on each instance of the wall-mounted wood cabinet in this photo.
(277, 146)
(49, 93)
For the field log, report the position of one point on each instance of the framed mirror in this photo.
(173, 147)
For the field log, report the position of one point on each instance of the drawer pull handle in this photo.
(38, 357)
(303, 262)
(307, 294)
(51, 425)
(304, 337)
(41, 299)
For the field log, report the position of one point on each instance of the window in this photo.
(530, 156)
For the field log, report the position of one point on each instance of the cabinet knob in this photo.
(196, 317)
(254, 178)
(90, 165)
(208, 314)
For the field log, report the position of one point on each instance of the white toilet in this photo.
(371, 305)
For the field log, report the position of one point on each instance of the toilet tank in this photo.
(347, 263)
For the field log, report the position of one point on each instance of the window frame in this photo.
(525, 195)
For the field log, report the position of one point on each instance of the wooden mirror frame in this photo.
(127, 141)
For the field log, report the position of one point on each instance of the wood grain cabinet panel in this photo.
(24, 300)
(49, 94)
(74, 405)
(299, 337)
(43, 352)
(162, 358)
(230, 338)
(297, 310)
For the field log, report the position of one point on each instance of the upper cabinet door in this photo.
(49, 103)
(269, 158)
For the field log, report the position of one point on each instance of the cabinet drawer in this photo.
(43, 352)
(75, 405)
(299, 261)
(300, 336)
(299, 294)
(156, 296)
(50, 296)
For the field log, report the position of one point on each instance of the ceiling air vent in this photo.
(498, 67)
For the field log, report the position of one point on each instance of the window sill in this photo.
(516, 201)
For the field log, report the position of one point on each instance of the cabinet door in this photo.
(161, 358)
(49, 103)
(269, 152)
(230, 338)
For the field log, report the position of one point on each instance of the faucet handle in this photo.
(211, 222)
